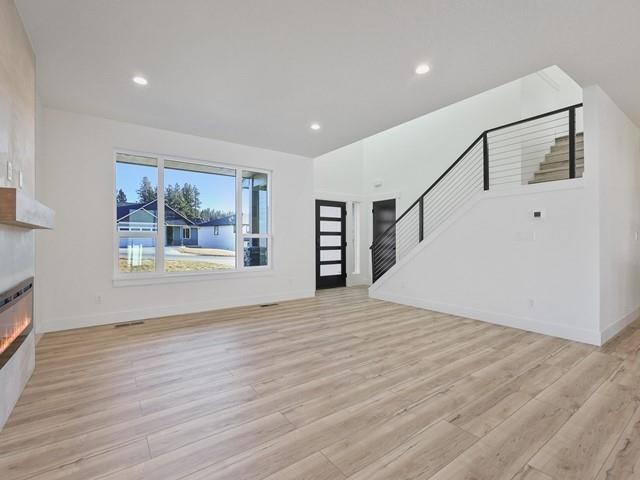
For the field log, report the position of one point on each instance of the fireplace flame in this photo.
(12, 333)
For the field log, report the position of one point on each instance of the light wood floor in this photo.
(336, 387)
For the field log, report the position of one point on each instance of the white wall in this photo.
(575, 273)
(225, 239)
(406, 159)
(409, 157)
(499, 264)
(615, 142)
(75, 263)
(548, 90)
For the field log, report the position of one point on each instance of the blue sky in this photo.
(216, 191)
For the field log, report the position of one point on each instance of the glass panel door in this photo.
(330, 244)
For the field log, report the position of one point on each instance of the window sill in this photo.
(138, 279)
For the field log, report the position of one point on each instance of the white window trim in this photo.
(160, 276)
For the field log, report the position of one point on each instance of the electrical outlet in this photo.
(532, 303)
(98, 299)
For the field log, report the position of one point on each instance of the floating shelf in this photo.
(19, 210)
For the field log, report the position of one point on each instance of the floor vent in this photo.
(129, 324)
(269, 305)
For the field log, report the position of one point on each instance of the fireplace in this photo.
(16, 318)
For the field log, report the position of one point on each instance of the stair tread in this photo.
(564, 159)
(557, 169)
(564, 151)
(579, 135)
(556, 163)
(556, 176)
(556, 149)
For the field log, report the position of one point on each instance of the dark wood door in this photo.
(331, 244)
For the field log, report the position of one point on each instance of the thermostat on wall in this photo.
(538, 214)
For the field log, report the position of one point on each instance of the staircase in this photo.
(538, 149)
(556, 163)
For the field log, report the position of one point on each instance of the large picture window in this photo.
(177, 216)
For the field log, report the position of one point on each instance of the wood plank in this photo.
(582, 445)
(574, 388)
(105, 462)
(421, 456)
(314, 467)
(530, 473)
(355, 451)
(623, 462)
(211, 450)
(505, 450)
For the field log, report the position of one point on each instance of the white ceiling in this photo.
(258, 72)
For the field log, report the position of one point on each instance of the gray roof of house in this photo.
(216, 222)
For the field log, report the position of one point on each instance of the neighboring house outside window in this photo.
(153, 221)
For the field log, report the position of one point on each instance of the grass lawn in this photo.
(172, 266)
(213, 252)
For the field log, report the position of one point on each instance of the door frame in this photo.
(332, 281)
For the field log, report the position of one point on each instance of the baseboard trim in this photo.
(592, 337)
(107, 318)
(612, 330)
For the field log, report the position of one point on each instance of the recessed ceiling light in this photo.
(140, 80)
(315, 126)
(422, 69)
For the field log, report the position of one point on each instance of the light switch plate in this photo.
(9, 171)
(20, 179)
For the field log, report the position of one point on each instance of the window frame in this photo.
(240, 238)
(160, 275)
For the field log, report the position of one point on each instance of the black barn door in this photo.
(330, 244)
